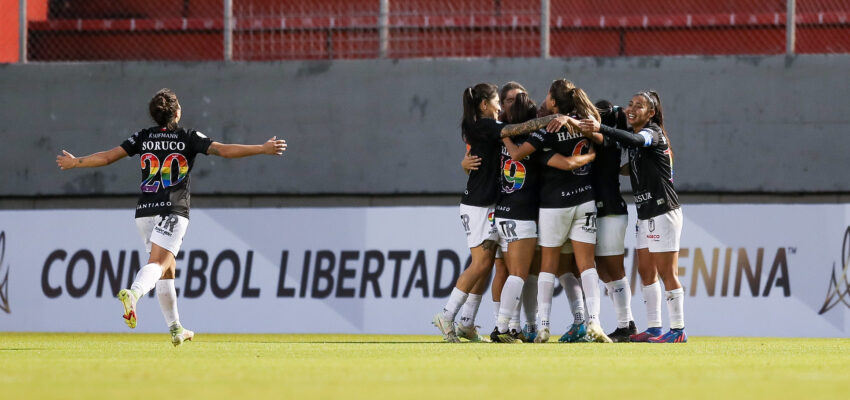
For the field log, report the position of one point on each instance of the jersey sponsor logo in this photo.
(576, 191)
(4, 281)
(838, 291)
(643, 197)
(155, 204)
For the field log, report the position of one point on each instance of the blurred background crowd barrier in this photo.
(258, 30)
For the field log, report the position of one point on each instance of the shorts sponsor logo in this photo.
(838, 291)
(589, 222)
(508, 229)
(651, 224)
(167, 222)
(464, 219)
(4, 277)
(654, 237)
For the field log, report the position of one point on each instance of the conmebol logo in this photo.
(839, 287)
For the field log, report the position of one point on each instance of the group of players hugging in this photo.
(542, 202)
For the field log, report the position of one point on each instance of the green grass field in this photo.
(117, 366)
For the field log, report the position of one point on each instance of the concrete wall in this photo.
(738, 124)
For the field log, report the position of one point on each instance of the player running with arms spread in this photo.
(167, 154)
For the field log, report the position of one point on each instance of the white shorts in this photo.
(662, 233)
(166, 231)
(611, 235)
(500, 243)
(478, 224)
(576, 223)
(511, 230)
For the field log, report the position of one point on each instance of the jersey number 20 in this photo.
(167, 175)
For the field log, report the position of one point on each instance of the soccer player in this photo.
(558, 182)
(567, 209)
(516, 215)
(481, 130)
(167, 152)
(659, 213)
(611, 221)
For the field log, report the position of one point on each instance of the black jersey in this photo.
(606, 179)
(482, 186)
(519, 197)
(166, 157)
(562, 189)
(651, 169)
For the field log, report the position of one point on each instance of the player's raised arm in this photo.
(67, 160)
(273, 146)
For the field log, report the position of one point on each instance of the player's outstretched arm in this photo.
(67, 160)
(273, 146)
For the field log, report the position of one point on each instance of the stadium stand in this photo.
(349, 29)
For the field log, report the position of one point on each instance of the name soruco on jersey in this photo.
(165, 145)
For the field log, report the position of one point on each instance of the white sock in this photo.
(676, 308)
(470, 310)
(146, 279)
(456, 300)
(621, 295)
(496, 306)
(511, 293)
(652, 299)
(167, 296)
(572, 287)
(545, 288)
(590, 285)
(515, 324)
(529, 300)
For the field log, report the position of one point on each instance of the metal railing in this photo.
(244, 30)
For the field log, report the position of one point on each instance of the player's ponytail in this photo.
(580, 104)
(163, 108)
(658, 118)
(472, 98)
